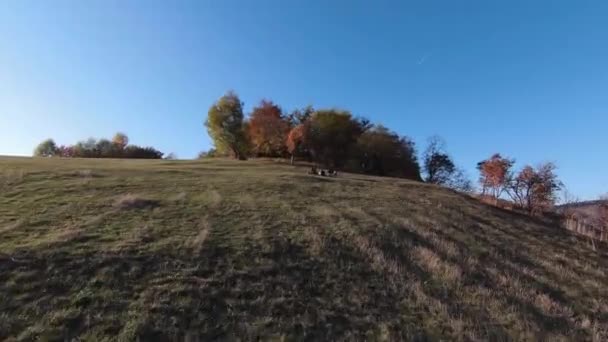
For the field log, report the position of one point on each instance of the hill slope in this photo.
(221, 249)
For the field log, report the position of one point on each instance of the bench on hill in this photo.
(323, 172)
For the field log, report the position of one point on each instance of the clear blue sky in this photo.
(528, 79)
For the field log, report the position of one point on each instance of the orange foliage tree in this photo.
(535, 189)
(495, 175)
(268, 130)
(120, 140)
(296, 140)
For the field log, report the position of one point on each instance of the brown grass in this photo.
(131, 201)
(12, 226)
(433, 264)
(260, 251)
(197, 243)
(179, 197)
(67, 233)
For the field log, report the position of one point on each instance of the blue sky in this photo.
(524, 78)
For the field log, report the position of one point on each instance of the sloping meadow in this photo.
(220, 249)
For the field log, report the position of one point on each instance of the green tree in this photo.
(86, 148)
(47, 148)
(226, 127)
(385, 153)
(331, 136)
(438, 166)
(105, 149)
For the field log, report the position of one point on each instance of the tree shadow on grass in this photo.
(273, 288)
(473, 278)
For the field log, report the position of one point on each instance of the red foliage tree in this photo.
(268, 130)
(495, 175)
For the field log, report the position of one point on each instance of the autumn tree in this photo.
(47, 148)
(268, 130)
(120, 140)
(383, 152)
(226, 127)
(296, 141)
(495, 175)
(331, 134)
(65, 151)
(535, 189)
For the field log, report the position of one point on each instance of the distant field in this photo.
(221, 249)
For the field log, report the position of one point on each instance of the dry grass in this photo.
(197, 243)
(10, 176)
(259, 251)
(131, 201)
(246, 200)
(376, 257)
(210, 198)
(323, 210)
(179, 197)
(433, 264)
(316, 240)
(12, 226)
(65, 234)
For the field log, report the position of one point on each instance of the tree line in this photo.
(118, 147)
(335, 138)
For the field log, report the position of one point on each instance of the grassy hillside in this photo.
(101, 249)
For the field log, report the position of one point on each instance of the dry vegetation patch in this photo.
(439, 268)
(132, 201)
(67, 233)
(179, 197)
(198, 241)
(13, 225)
